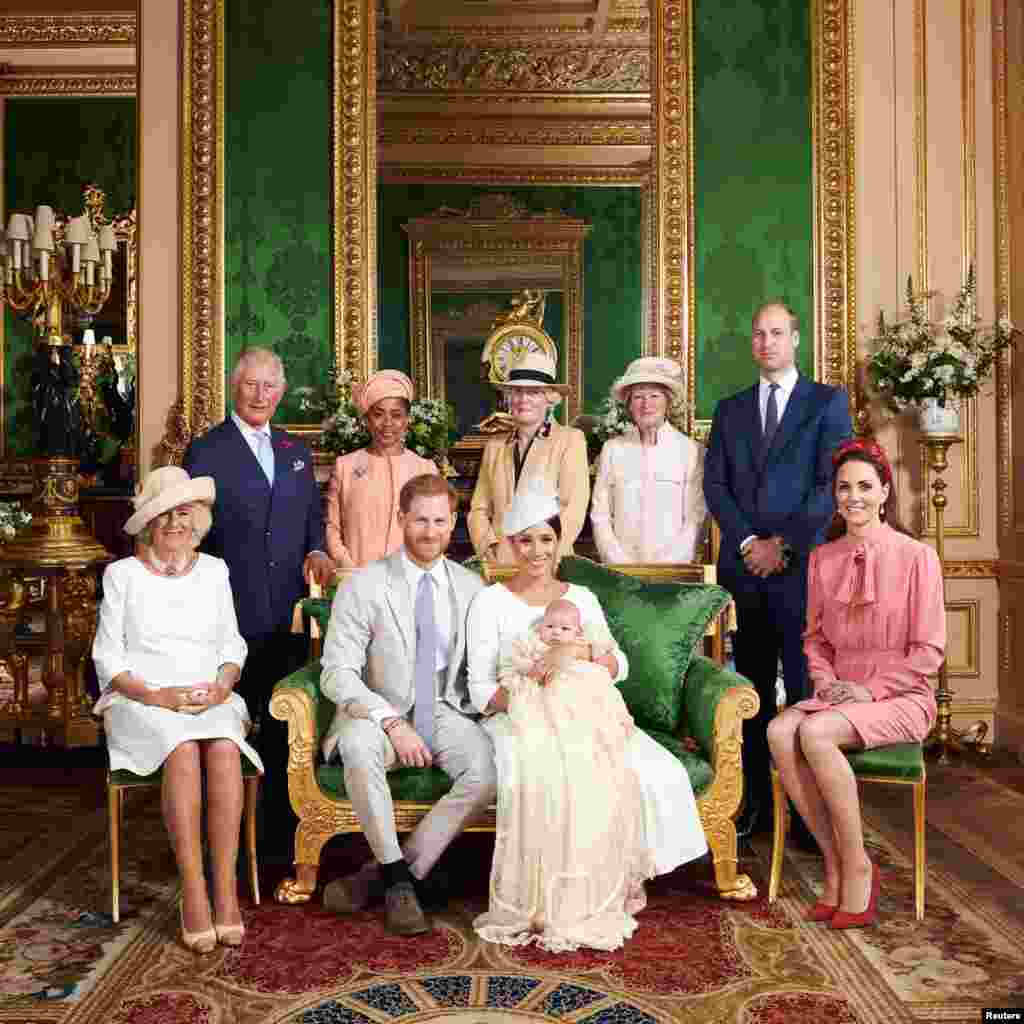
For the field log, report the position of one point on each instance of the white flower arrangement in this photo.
(13, 518)
(431, 426)
(916, 359)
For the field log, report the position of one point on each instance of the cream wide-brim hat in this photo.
(651, 370)
(534, 370)
(166, 488)
(530, 506)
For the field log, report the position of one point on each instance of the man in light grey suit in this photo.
(394, 663)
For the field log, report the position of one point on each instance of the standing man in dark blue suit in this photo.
(268, 527)
(767, 481)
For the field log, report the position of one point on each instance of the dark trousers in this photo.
(271, 657)
(770, 615)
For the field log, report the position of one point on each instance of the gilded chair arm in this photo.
(705, 687)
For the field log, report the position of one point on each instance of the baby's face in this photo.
(559, 626)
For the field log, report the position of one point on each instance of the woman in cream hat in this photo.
(649, 495)
(566, 811)
(537, 449)
(168, 654)
(362, 497)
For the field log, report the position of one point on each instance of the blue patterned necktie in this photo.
(425, 669)
(771, 420)
(265, 454)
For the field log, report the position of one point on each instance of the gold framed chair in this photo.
(900, 764)
(119, 782)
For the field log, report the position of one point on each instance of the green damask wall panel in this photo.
(53, 148)
(612, 290)
(277, 157)
(753, 178)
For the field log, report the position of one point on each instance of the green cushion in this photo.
(420, 785)
(125, 778)
(896, 761)
(697, 766)
(657, 625)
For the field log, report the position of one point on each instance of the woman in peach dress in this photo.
(362, 496)
(876, 630)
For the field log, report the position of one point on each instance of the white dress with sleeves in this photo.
(671, 824)
(169, 631)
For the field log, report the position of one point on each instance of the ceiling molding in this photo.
(69, 82)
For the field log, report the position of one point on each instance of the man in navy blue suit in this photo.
(767, 481)
(268, 527)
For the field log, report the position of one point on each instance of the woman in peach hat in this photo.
(362, 497)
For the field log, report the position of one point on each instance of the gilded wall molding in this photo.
(201, 401)
(969, 667)
(21, 83)
(834, 146)
(971, 569)
(968, 151)
(410, 130)
(1004, 366)
(921, 141)
(355, 187)
(670, 165)
(433, 68)
(68, 29)
(432, 174)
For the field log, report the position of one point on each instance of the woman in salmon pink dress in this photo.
(876, 630)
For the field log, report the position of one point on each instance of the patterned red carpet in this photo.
(694, 958)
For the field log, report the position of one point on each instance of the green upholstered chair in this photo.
(900, 764)
(689, 704)
(120, 782)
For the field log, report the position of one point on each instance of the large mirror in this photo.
(465, 269)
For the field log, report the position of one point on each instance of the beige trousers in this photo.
(462, 750)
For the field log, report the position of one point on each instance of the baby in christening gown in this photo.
(570, 859)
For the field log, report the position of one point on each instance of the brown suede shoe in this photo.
(355, 892)
(404, 915)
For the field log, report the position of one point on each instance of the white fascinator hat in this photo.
(535, 503)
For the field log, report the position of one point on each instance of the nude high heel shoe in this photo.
(196, 942)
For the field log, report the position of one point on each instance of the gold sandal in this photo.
(196, 942)
(229, 934)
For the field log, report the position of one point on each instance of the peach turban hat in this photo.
(382, 384)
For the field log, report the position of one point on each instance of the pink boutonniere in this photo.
(285, 443)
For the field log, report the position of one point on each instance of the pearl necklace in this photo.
(168, 568)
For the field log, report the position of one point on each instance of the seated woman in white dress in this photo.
(648, 503)
(168, 654)
(590, 911)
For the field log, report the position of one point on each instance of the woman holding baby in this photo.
(571, 850)
(168, 654)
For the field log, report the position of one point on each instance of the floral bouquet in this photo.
(13, 518)
(915, 360)
(431, 426)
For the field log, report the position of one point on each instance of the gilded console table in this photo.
(58, 549)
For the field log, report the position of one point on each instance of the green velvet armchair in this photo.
(689, 704)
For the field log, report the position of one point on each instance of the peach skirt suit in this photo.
(876, 617)
(362, 504)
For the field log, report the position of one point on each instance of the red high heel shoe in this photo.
(821, 911)
(843, 919)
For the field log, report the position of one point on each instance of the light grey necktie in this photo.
(771, 420)
(425, 670)
(265, 453)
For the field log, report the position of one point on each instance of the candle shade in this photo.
(17, 227)
(108, 243)
(78, 230)
(42, 239)
(92, 251)
(44, 217)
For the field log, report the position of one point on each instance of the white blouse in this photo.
(496, 616)
(648, 503)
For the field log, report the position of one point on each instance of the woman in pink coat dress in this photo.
(876, 630)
